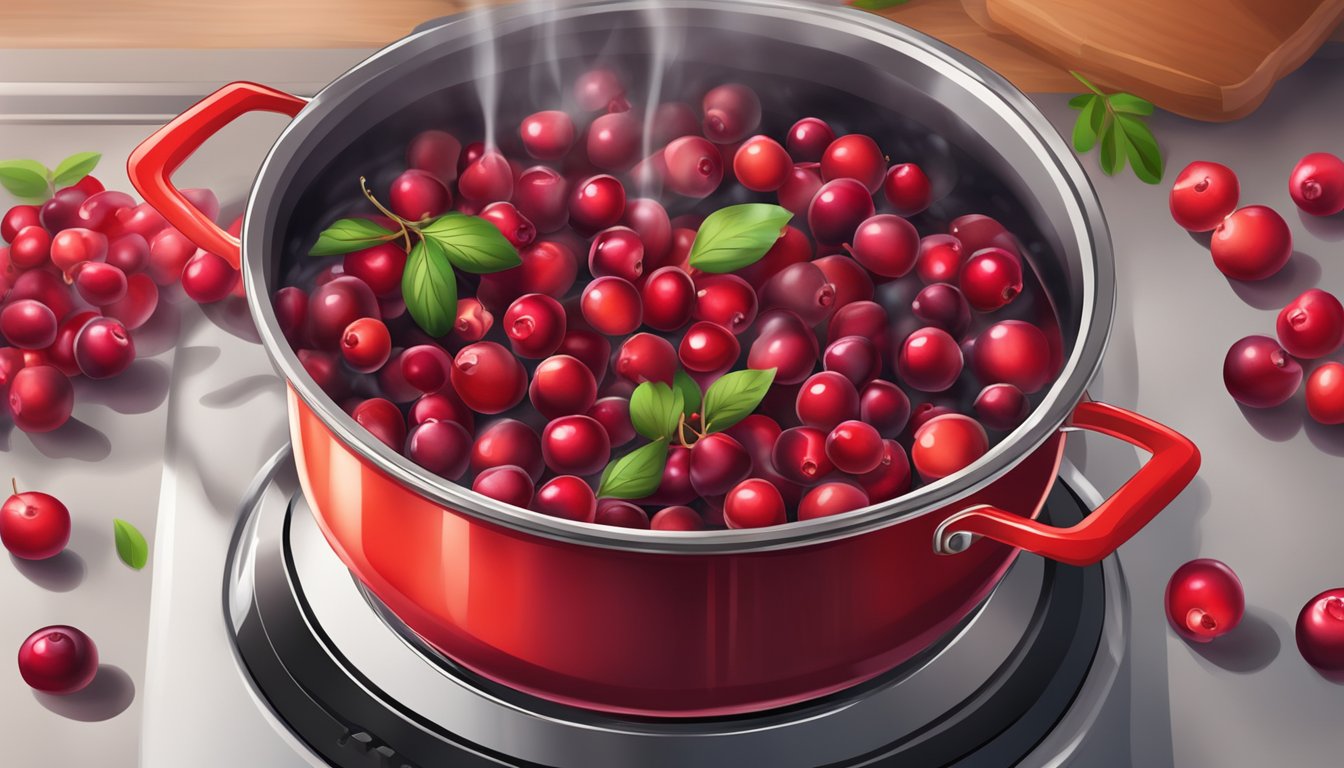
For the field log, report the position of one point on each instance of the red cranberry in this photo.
(718, 462)
(442, 447)
(837, 210)
(1013, 352)
(542, 197)
(617, 251)
(1001, 406)
(470, 154)
(101, 284)
(206, 278)
(930, 360)
(128, 252)
(11, 362)
(58, 659)
(948, 444)
(598, 202)
(28, 324)
(488, 378)
(857, 157)
(861, 318)
(103, 349)
(939, 259)
(851, 282)
(675, 486)
(73, 247)
(383, 420)
(672, 119)
(325, 370)
(753, 503)
(708, 348)
(732, 111)
(943, 306)
(784, 343)
(169, 252)
(649, 220)
(926, 412)
(1260, 374)
(416, 195)
(333, 306)
(831, 499)
(592, 349)
(826, 399)
(62, 210)
(613, 413)
(424, 366)
(887, 245)
(567, 497)
(1312, 325)
(61, 353)
(885, 406)
(30, 247)
(1317, 184)
(669, 297)
(1203, 195)
(34, 525)
(1320, 633)
(508, 442)
(509, 484)
(142, 220)
(444, 405)
(621, 514)
(513, 225)
(1325, 394)
(1251, 244)
(677, 519)
(16, 219)
(1204, 600)
(808, 139)
(854, 447)
(44, 287)
(612, 305)
(575, 445)
(761, 164)
(907, 189)
(473, 321)
(976, 231)
(547, 135)
(679, 254)
(891, 478)
(562, 386)
(854, 357)
(792, 247)
(802, 289)
(366, 345)
(991, 279)
(437, 152)
(291, 312)
(726, 300)
(597, 88)
(801, 187)
(645, 357)
(535, 324)
(547, 267)
(40, 399)
(694, 167)
(487, 179)
(614, 141)
(800, 455)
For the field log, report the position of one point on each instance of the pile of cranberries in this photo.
(80, 274)
(889, 346)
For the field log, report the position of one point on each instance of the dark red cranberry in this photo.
(470, 154)
(991, 279)
(677, 519)
(1252, 243)
(614, 141)
(383, 420)
(325, 370)
(930, 360)
(28, 324)
(907, 189)
(333, 306)
(575, 445)
(831, 499)
(1260, 374)
(535, 324)
(802, 289)
(169, 252)
(808, 139)
(669, 297)
(617, 251)
(34, 525)
(1325, 393)
(567, 497)
(11, 362)
(854, 447)
(761, 164)
(718, 462)
(800, 455)
(1320, 633)
(613, 413)
(943, 306)
(947, 444)
(976, 231)
(1312, 325)
(646, 357)
(416, 195)
(40, 398)
(1317, 184)
(887, 245)
(61, 353)
(612, 305)
(939, 260)
(784, 343)
(513, 225)
(444, 405)
(30, 247)
(1013, 352)
(885, 406)
(598, 202)
(437, 152)
(488, 377)
(16, 219)
(509, 484)
(1001, 406)
(861, 318)
(562, 386)
(103, 348)
(725, 300)
(621, 514)
(801, 187)
(826, 399)
(731, 111)
(1204, 600)
(694, 167)
(547, 267)
(708, 348)
(508, 442)
(675, 487)
(547, 135)
(753, 503)
(649, 220)
(857, 157)
(837, 210)
(1203, 195)
(425, 367)
(62, 210)
(595, 89)
(854, 357)
(45, 287)
(99, 211)
(142, 220)
(592, 349)
(58, 660)
(792, 247)
(851, 282)
(206, 278)
(542, 197)
(442, 447)
(291, 312)
(892, 476)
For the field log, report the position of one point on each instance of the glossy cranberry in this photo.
(731, 112)
(614, 141)
(99, 210)
(1252, 243)
(58, 659)
(104, 348)
(907, 189)
(1258, 373)
(1317, 184)
(838, 209)
(679, 254)
(620, 514)
(1320, 633)
(976, 231)
(487, 179)
(562, 386)
(366, 345)
(206, 278)
(646, 357)
(535, 324)
(753, 503)
(940, 259)
(1001, 406)
(708, 348)
(597, 88)
(169, 252)
(598, 202)
(1203, 195)
(547, 267)
(437, 152)
(854, 357)
(142, 220)
(101, 284)
(383, 420)
(470, 154)
(509, 484)
(930, 360)
(851, 282)
(861, 318)
(1013, 352)
(831, 499)
(1325, 394)
(416, 195)
(800, 455)
(926, 412)
(547, 135)
(792, 247)
(725, 300)
(1312, 325)
(45, 287)
(513, 225)
(854, 447)
(942, 306)
(669, 297)
(508, 442)
(473, 321)
(73, 247)
(802, 289)
(761, 164)
(568, 497)
(542, 197)
(675, 486)
(826, 399)
(1204, 600)
(677, 518)
(592, 349)
(16, 219)
(442, 447)
(694, 167)
(62, 210)
(424, 366)
(575, 445)
(991, 279)
(40, 398)
(61, 353)
(808, 139)
(648, 218)
(891, 478)
(488, 377)
(857, 157)
(802, 186)
(612, 305)
(335, 305)
(784, 343)
(30, 247)
(885, 406)
(444, 405)
(718, 462)
(28, 324)
(325, 370)
(886, 244)
(947, 444)
(291, 312)
(618, 252)
(613, 413)
(34, 525)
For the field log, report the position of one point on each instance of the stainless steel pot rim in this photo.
(1087, 224)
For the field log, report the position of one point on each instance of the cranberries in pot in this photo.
(798, 190)
(104, 348)
(857, 157)
(694, 167)
(1312, 325)
(58, 659)
(646, 357)
(621, 514)
(542, 197)
(1013, 352)
(535, 325)
(861, 318)
(731, 112)
(802, 289)
(930, 360)
(1001, 406)
(948, 444)
(669, 298)
(754, 503)
(547, 135)
(784, 343)
(887, 245)
(718, 462)
(40, 399)
(597, 203)
(1320, 633)
(1325, 394)
(1258, 373)
(726, 300)
(442, 447)
(333, 306)
(597, 88)
(677, 518)
(892, 476)
(508, 442)
(854, 357)
(761, 164)
(939, 260)
(800, 455)
(488, 377)
(675, 487)
(831, 499)
(1203, 195)
(592, 349)
(383, 420)
(885, 406)
(854, 447)
(487, 179)
(567, 497)
(1251, 244)
(575, 445)
(291, 312)
(617, 251)
(851, 282)
(513, 225)
(562, 386)
(826, 399)
(991, 279)
(444, 405)
(509, 484)
(808, 139)
(792, 247)
(907, 188)
(1204, 600)
(837, 210)
(708, 348)
(473, 321)
(1317, 184)
(648, 218)
(614, 141)
(942, 306)
(612, 305)
(613, 413)
(416, 195)
(34, 525)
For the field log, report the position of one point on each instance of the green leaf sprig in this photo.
(434, 247)
(737, 236)
(33, 182)
(1115, 121)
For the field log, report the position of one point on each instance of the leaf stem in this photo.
(405, 227)
(1088, 83)
(14, 483)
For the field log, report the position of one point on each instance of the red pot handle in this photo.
(1173, 465)
(152, 164)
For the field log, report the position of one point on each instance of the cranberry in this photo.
(576, 445)
(838, 209)
(861, 318)
(947, 444)
(139, 303)
(669, 297)
(907, 189)
(61, 353)
(1013, 352)
(417, 195)
(597, 88)
(800, 455)
(648, 218)
(991, 278)
(1204, 600)
(885, 406)
(513, 225)
(854, 447)
(732, 112)
(792, 247)
(366, 345)
(857, 157)
(547, 267)
(826, 399)
(854, 357)
(509, 484)
(892, 476)
(1001, 406)
(325, 370)
(1251, 244)
(58, 659)
(726, 300)
(34, 525)
(291, 313)
(753, 503)
(99, 211)
(40, 398)
(383, 420)
(44, 287)
(1320, 632)
(645, 357)
(939, 259)
(444, 405)
(612, 305)
(470, 154)
(442, 447)
(424, 366)
(473, 321)
(675, 486)
(206, 278)
(613, 413)
(831, 499)
(976, 231)
(487, 179)
(708, 348)
(617, 251)
(547, 135)
(718, 462)
(142, 220)
(542, 197)
(535, 325)
(62, 210)
(1258, 373)
(672, 119)
(621, 514)
(16, 219)
(784, 343)
(169, 252)
(73, 247)
(598, 202)
(562, 386)
(614, 141)
(508, 442)
(1325, 394)
(488, 378)
(801, 187)
(28, 324)
(694, 167)
(802, 289)
(437, 152)
(943, 306)
(926, 412)
(808, 139)
(1312, 325)
(677, 519)
(887, 245)
(11, 362)
(31, 247)
(1317, 184)
(930, 360)
(333, 306)
(103, 348)
(851, 282)
(761, 164)
(568, 497)
(592, 349)
(101, 284)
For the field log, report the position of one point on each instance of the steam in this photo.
(486, 64)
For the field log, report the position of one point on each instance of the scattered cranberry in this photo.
(1013, 352)
(547, 135)
(1258, 373)
(34, 525)
(62, 210)
(732, 112)
(754, 503)
(562, 386)
(58, 659)
(101, 284)
(488, 377)
(800, 455)
(169, 252)
(1312, 325)
(40, 399)
(857, 157)
(947, 444)
(1325, 394)
(838, 209)
(508, 442)
(694, 167)
(567, 497)
(1320, 632)
(907, 189)
(1204, 600)
(1252, 243)
(939, 260)
(831, 499)
(138, 305)
(1317, 184)
(991, 279)
(509, 484)
(887, 245)
(103, 348)
(28, 324)
(1204, 194)
(677, 518)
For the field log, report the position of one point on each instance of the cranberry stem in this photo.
(14, 483)
(681, 432)
(405, 226)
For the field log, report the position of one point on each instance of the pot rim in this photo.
(1086, 223)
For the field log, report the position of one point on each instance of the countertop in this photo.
(1266, 500)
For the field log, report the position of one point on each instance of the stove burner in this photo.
(1016, 680)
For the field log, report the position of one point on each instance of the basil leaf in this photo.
(1089, 120)
(1129, 104)
(877, 5)
(636, 474)
(734, 396)
(349, 235)
(131, 545)
(25, 178)
(737, 236)
(1081, 100)
(655, 409)
(472, 244)
(1144, 155)
(74, 168)
(429, 288)
(690, 392)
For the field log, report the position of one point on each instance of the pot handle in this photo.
(1174, 462)
(152, 164)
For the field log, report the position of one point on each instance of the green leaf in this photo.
(74, 168)
(734, 396)
(1081, 100)
(636, 474)
(131, 545)
(429, 288)
(472, 244)
(737, 236)
(1112, 149)
(877, 5)
(1129, 104)
(1088, 123)
(690, 392)
(349, 235)
(656, 409)
(25, 178)
(1145, 157)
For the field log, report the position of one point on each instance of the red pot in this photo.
(687, 624)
